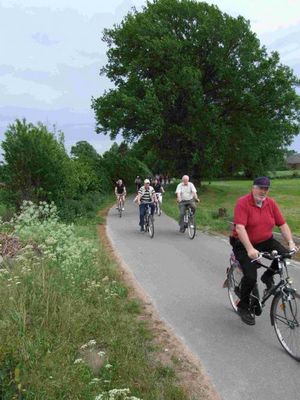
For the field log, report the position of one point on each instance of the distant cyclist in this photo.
(138, 183)
(186, 195)
(146, 195)
(120, 192)
(158, 190)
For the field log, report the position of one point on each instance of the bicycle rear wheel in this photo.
(191, 227)
(285, 317)
(234, 277)
(151, 226)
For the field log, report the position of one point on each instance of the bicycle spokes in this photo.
(285, 317)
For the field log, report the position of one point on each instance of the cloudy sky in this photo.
(51, 54)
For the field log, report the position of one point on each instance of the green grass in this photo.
(50, 308)
(223, 194)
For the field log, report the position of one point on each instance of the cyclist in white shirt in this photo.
(186, 195)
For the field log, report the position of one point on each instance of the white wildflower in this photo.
(78, 361)
(94, 380)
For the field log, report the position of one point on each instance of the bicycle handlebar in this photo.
(274, 255)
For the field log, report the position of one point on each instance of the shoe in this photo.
(181, 230)
(123, 208)
(256, 306)
(246, 316)
(142, 229)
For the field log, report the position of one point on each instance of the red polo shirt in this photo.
(258, 221)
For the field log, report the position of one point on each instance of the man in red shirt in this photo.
(255, 216)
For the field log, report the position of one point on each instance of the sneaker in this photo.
(123, 208)
(142, 229)
(246, 316)
(181, 230)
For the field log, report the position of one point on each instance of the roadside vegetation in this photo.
(68, 329)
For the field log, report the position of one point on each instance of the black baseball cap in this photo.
(262, 181)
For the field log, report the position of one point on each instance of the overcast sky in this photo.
(51, 53)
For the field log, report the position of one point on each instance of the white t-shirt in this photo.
(186, 191)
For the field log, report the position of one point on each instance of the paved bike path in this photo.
(184, 279)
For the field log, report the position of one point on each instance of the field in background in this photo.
(223, 194)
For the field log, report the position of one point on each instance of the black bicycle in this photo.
(189, 222)
(149, 221)
(285, 306)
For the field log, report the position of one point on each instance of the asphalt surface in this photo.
(184, 279)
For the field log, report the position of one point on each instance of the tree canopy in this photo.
(36, 164)
(195, 85)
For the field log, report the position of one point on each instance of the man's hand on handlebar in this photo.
(253, 253)
(292, 246)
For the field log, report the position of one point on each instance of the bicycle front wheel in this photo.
(120, 209)
(285, 317)
(234, 277)
(151, 226)
(191, 227)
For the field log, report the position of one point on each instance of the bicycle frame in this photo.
(188, 213)
(284, 282)
(148, 221)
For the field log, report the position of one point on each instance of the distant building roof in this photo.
(293, 159)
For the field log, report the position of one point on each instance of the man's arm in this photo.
(194, 192)
(153, 196)
(287, 235)
(178, 196)
(244, 238)
(196, 196)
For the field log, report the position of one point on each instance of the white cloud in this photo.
(12, 86)
(87, 8)
(264, 15)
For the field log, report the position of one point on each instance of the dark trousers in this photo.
(182, 207)
(250, 268)
(142, 211)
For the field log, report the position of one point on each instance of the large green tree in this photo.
(196, 86)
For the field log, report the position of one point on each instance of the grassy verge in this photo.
(68, 328)
(223, 194)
